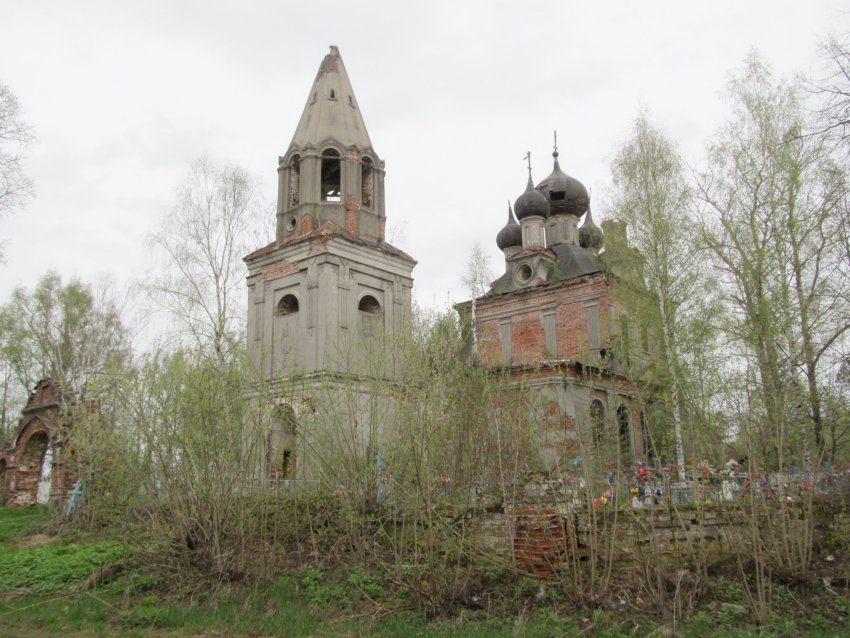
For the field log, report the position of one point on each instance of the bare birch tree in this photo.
(203, 240)
(833, 90)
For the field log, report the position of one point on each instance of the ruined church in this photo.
(330, 281)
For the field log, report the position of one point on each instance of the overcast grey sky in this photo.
(124, 95)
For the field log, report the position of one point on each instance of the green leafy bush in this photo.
(319, 591)
(365, 583)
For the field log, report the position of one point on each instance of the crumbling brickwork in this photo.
(37, 453)
(526, 310)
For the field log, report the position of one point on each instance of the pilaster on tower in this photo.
(331, 172)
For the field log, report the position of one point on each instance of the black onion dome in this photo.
(590, 235)
(511, 234)
(566, 195)
(531, 202)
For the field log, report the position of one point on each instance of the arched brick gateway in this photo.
(32, 469)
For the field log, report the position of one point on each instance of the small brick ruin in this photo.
(33, 468)
(544, 532)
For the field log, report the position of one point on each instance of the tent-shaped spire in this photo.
(332, 111)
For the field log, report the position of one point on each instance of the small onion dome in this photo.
(531, 202)
(566, 194)
(511, 234)
(590, 235)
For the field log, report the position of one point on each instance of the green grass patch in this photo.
(52, 567)
(286, 607)
(19, 522)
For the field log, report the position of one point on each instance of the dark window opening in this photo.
(350, 101)
(287, 463)
(288, 305)
(557, 196)
(367, 183)
(597, 422)
(369, 305)
(333, 94)
(331, 176)
(623, 432)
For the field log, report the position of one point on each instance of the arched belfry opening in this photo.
(294, 181)
(331, 184)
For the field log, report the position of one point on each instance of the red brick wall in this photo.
(539, 539)
(23, 462)
(528, 342)
(352, 208)
(278, 269)
(45, 393)
(525, 308)
(306, 224)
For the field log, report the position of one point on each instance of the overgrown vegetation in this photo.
(64, 585)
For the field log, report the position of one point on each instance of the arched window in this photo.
(624, 432)
(367, 183)
(331, 176)
(371, 317)
(287, 306)
(369, 305)
(294, 181)
(597, 422)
